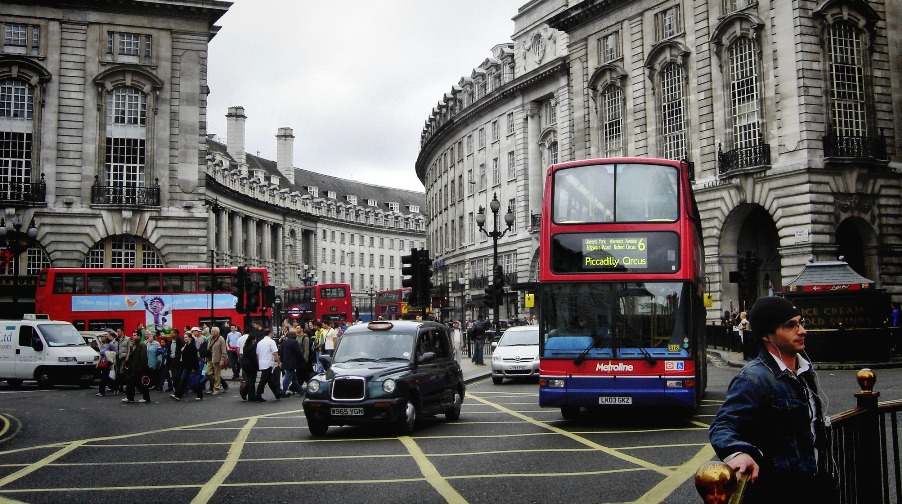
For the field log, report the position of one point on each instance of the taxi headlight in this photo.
(313, 386)
(389, 386)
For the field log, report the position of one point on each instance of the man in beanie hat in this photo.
(771, 424)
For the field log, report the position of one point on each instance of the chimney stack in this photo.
(285, 153)
(235, 120)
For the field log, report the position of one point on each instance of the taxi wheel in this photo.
(317, 428)
(453, 414)
(570, 412)
(408, 418)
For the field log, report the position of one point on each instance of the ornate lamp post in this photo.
(16, 242)
(308, 276)
(495, 234)
(277, 313)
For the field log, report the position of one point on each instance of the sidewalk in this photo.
(735, 359)
(472, 372)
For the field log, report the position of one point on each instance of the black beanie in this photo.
(768, 313)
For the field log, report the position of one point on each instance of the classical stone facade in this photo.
(788, 111)
(103, 146)
(491, 136)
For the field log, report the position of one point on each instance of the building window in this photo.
(324, 255)
(481, 137)
(125, 47)
(744, 93)
(673, 125)
(496, 133)
(510, 123)
(123, 251)
(496, 172)
(394, 207)
(550, 112)
(482, 180)
(126, 131)
(735, 5)
(20, 38)
(511, 169)
(469, 144)
(612, 121)
(332, 256)
(668, 23)
(330, 194)
(552, 153)
(332, 237)
(16, 130)
(609, 47)
(846, 67)
(313, 191)
(471, 227)
(470, 180)
(512, 207)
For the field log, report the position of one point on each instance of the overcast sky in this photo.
(354, 79)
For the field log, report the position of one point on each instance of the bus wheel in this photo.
(570, 412)
(14, 383)
(44, 380)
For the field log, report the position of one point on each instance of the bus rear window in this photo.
(332, 292)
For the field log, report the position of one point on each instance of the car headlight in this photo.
(496, 358)
(313, 386)
(389, 386)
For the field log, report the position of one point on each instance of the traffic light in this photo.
(410, 268)
(498, 284)
(238, 288)
(252, 297)
(425, 278)
(488, 299)
(269, 296)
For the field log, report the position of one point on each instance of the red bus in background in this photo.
(393, 304)
(621, 287)
(318, 302)
(159, 298)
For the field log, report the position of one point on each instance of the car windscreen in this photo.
(374, 346)
(518, 338)
(59, 335)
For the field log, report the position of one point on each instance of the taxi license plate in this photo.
(347, 411)
(518, 367)
(615, 400)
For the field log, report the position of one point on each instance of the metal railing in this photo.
(856, 147)
(864, 454)
(23, 193)
(745, 157)
(125, 194)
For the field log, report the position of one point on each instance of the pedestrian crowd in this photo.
(198, 360)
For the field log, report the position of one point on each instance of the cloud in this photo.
(355, 80)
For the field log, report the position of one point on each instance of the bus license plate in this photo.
(347, 411)
(615, 400)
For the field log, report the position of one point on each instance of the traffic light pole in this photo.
(495, 234)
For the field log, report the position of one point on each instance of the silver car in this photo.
(516, 354)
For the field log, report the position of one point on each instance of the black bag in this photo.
(275, 379)
(242, 389)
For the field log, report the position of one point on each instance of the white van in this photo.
(47, 351)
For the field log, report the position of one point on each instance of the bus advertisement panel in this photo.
(157, 298)
(318, 302)
(621, 287)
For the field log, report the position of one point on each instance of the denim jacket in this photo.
(767, 415)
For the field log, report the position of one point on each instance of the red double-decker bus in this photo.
(393, 304)
(318, 302)
(158, 298)
(621, 286)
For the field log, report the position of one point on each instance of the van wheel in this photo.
(44, 381)
(14, 383)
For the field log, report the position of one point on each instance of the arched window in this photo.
(846, 70)
(744, 93)
(673, 113)
(123, 251)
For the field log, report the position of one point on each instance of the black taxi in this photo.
(386, 372)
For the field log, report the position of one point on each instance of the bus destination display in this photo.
(648, 252)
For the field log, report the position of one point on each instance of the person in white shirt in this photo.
(267, 360)
(330, 338)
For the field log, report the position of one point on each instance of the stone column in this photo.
(535, 174)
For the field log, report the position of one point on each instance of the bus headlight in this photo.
(313, 386)
(389, 386)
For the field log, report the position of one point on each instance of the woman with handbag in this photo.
(106, 364)
(136, 364)
(190, 366)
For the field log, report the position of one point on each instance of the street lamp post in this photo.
(277, 313)
(371, 292)
(16, 242)
(308, 276)
(495, 234)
